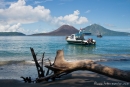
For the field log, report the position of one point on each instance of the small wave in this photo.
(122, 59)
(105, 60)
(22, 62)
(10, 62)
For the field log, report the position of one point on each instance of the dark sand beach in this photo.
(75, 79)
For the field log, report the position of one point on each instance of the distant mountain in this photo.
(64, 30)
(11, 34)
(96, 29)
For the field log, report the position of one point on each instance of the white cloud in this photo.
(18, 13)
(37, 2)
(11, 28)
(17, 28)
(42, 1)
(88, 11)
(4, 4)
(47, 0)
(70, 19)
(66, 0)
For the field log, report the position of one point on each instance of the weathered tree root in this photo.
(63, 67)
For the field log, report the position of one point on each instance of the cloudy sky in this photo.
(37, 16)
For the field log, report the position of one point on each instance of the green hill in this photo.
(11, 34)
(96, 29)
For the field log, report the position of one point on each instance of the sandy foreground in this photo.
(75, 79)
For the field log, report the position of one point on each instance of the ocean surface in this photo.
(16, 58)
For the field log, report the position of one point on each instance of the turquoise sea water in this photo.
(15, 55)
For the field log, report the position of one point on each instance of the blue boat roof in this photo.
(79, 34)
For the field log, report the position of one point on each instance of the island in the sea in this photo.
(65, 30)
(11, 34)
(94, 29)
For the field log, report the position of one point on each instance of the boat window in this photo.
(72, 36)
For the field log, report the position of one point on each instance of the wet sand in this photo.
(75, 79)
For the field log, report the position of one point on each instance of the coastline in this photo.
(17, 49)
(74, 79)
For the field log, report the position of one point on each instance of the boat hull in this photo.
(81, 43)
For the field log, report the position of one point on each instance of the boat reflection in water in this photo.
(74, 49)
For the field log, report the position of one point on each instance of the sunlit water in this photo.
(16, 58)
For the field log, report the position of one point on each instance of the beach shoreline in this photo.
(74, 79)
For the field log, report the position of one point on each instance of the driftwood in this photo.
(40, 71)
(63, 67)
(39, 68)
(27, 79)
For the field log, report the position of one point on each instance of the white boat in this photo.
(79, 39)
